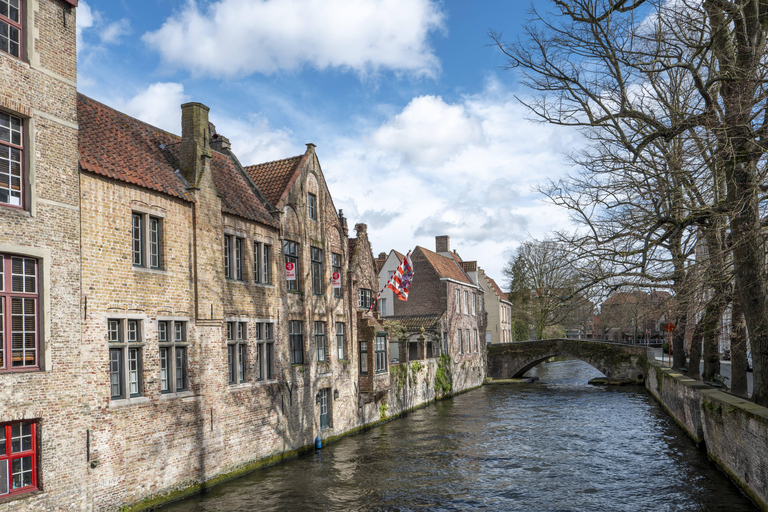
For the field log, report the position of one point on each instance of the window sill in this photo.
(147, 270)
(235, 281)
(123, 402)
(20, 496)
(266, 382)
(180, 394)
(239, 386)
(264, 285)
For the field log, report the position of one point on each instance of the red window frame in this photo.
(8, 456)
(6, 154)
(16, 25)
(29, 320)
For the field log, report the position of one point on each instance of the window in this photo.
(296, 341)
(341, 341)
(10, 27)
(474, 304)
(146, 238)
(18, 457)
(312, 206)
(365, 298)
(237, 347)
(265, 351)
(19, 294)
(11, 151)
(383, 306)
(477, 343)
(125, 340)
(458, 301)
(363, 357)
(468, 340)
(324, 395)
(172, 339)
(381, 352)
(466, 302)
(233, 257)
(261, 263)
(291, 250)
(320, 341)
(336, 264)
(461, 343)
(316, 255)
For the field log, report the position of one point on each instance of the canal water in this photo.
(555, 445)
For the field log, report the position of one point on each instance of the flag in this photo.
(402, 278)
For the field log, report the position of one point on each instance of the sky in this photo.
(418, 129)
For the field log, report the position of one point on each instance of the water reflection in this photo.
(558, 444)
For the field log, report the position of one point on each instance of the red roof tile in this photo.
(274, 179)
(445, 267)
(118, 146)
(123, 148)
(497, 289)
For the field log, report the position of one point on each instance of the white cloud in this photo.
(85, 20)
(232, 37)
(253, 140)
(92, 21)
(159, 105)
(114, 31)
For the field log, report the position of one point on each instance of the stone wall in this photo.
(734, 431)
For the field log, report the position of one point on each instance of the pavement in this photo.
(725, 369)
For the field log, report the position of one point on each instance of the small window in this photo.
(325, 412)
(146, 240)
(237, 351)
(312, 206)
(458, 301)
(468, 341)
(365, 298)
(381, 352)
(296, 341)
(11, 151)
(317, 270)
(265, 351)
(341, 341)
(364, 357)
(10, 27)
(477, 342)
(461, 343)
(18, 457)
(266, 274)
(291, 250)
(336, 269)
(466, 302)
(172, 340)
(320, 341)
(233, 257)
(126, 372)
(474, 304)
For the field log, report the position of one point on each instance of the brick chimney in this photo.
(443, 245)
(195, 153)
(220, 143)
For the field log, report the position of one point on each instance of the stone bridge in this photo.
(619, 363)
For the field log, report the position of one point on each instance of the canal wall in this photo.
(734, 431)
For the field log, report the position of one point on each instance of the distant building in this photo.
(499, 308)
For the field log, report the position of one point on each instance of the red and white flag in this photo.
(402, 278)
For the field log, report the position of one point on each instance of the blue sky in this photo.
(416, 125)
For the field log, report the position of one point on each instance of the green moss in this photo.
(383, 410)
(399, 374)
(443, 379)
(415, 367)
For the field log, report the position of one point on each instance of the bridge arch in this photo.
(621, 363)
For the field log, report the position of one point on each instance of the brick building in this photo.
(43, 424)
(499, 308)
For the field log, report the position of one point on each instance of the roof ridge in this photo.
(273, 161)
(135, 119)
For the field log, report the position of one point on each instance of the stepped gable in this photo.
(276, 178)
(445, 267)
(120, 147)
(497, 289)
(236, 194)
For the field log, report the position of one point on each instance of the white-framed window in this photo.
(291, 250)
(11, 154)
(237, 351)
(296, 341)
(364, 301)
(466, 302)
(322, 352)
(458, 301)
(146, 240)
(381, 352)
(341, 341)
(233, 257)
(477, 342)
(461, 342)
(172, 343)
(474, 304)
(262, 261)
(125, 339)
(336, 268)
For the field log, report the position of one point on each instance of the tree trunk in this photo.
(738, 351)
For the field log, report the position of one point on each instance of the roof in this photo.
(497, 289)
(415, 322)
(120, 147)
(275, 179)
(445, 267)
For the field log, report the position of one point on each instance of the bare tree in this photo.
(601, 66)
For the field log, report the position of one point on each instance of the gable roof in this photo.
(120, 147)
(275, 179)
(415, 322)
(445, 267)
(497, 288)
